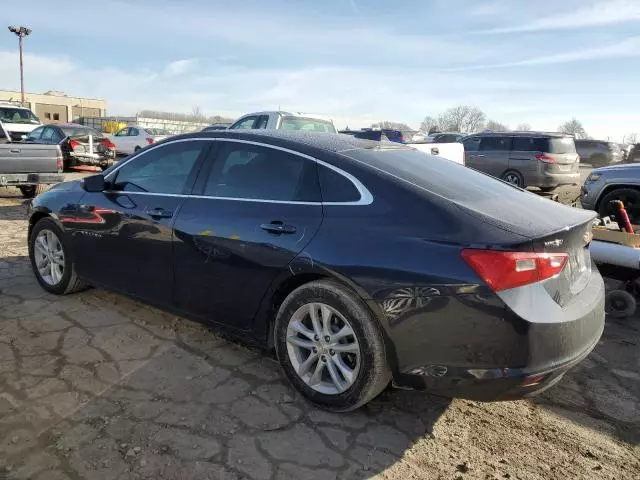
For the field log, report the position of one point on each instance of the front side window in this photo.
(244, 124)
(262, 121)
(36, 134)
(262, 173)
(495, 143)
(163, 169)
(48, 134)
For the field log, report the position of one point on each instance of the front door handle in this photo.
(159, 213)
(278, 227)
(15, 150)
(435, 151)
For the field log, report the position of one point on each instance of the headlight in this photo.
(593, 177)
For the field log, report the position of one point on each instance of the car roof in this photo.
(520, 134)
(288, 114)
(331, 142)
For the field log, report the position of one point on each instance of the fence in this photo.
(113, 124)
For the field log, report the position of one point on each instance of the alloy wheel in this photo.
(512, 178)
(49, 257)
(323, 348)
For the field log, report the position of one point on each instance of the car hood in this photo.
(628, 168)
(70, 186)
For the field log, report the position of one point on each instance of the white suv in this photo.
(17, 120)
(284, 121)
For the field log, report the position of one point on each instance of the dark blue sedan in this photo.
(360, 262)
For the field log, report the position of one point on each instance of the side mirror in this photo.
(94, 183)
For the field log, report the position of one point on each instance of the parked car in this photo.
(284, 121)
(28, 167)
(524, 159)
(378, 135)
(80, 145)
(616, 182)
(599, 153)
(446, 137)
(216, 126)
(131, 139)
(357, 261)
(17, 120)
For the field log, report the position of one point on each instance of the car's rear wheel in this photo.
(50, 260)
(136, 148)
(620, 304)
(628, 196)
(514, 178)
(330, 346)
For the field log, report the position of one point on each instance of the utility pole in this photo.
(21, 32)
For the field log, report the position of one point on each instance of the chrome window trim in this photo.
(366, 198)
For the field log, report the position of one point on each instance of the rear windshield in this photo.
(307, 124)
(18, 115)
(440, 176)
(79, 131)
(559, 145)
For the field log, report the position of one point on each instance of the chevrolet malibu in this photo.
(361, 263)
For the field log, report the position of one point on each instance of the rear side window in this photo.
(495, 143)
(529, 144)
(471, 144)
(261, 173)
(36, 134)
(336, 187)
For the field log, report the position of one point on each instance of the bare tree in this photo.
(391, 125)
(573, 127)
(496, 126)
(523, 127)
(463, 118)
(429, 124)
(630, 138)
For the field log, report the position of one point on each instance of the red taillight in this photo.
(543, 157)
(504, 270)
(109, 144)
(149, 140)
(60, 162)
(74, 144)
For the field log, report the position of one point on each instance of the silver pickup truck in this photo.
(28, 166)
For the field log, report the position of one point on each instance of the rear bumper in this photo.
(497, 353)
(547, 179)
(20, 179)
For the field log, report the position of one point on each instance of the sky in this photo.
(356, 61)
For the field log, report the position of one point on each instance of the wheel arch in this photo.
(35, 217)
(610, 188)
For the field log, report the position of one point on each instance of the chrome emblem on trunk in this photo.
(554, 243)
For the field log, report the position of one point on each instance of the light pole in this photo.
(20, 32)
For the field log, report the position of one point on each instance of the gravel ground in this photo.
(97, 386)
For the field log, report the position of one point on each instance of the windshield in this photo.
(79, 131)
(307, 124)
(18, 115)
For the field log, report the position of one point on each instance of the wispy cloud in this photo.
(180, 67)
(627, 48)
(599, 13)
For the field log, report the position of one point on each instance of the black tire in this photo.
(136, 148)
(620, 304)
(30, 191)
(631, 199)
(69, 283)
(514, 177)
(547, 189)
(374, 373)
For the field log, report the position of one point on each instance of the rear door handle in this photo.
(159, 213)
(15, 150)
(435, 151)
(278, 227)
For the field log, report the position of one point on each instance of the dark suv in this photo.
(599, 153)
(525, 159)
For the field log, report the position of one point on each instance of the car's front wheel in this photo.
(330, 346)
(630, 197)
(50, 259)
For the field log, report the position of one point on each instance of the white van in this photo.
(17, 120)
